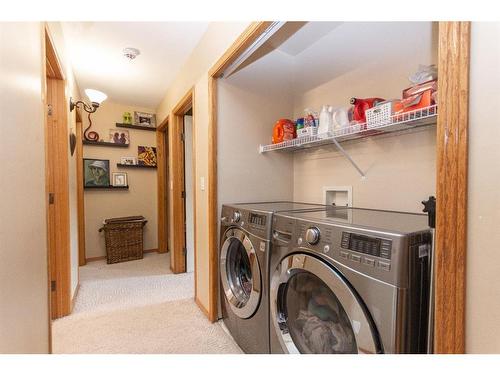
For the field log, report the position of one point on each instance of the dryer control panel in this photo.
(368, 245)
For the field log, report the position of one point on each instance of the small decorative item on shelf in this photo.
(96, 173)
(120, 179)
(119, 136)
(147, 155)
(127, 118)
(145, 119)
(129, 160)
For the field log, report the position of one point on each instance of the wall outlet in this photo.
(337, 195)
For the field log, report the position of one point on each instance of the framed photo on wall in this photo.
(129, 160)
(145, 119)
(146, 155)
(120, 179)
(119, 136)
(95, 173)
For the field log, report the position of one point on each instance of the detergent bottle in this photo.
(361, 105)
(325, 128)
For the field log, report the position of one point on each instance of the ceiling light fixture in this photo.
(96, 98)
(131, 53)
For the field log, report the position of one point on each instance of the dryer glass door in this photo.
(315, 311)
(240, 273)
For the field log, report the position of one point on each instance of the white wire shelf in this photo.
(398, 122)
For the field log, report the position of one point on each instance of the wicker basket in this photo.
(123, 237)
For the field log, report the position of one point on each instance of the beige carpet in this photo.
(138, 307)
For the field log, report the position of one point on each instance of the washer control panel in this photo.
(368, 245)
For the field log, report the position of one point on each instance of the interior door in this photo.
(314, 310)
(58, 198)
(240, 273)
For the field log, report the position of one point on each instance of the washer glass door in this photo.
(240, 273)
(315, 311)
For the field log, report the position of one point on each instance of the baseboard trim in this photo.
(93, 259)
(201, 307)
(73, 300)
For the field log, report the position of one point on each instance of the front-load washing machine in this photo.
(244, 270)
(348, 280)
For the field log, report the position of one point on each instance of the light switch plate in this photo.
(202, 183)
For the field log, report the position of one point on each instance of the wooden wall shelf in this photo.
(120, 165)
(106, 187)
(137, 127)
(105, 144)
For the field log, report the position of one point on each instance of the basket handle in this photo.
(101, 229)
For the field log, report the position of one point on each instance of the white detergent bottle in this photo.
(325, 128)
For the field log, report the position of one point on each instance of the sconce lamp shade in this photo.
(95, 96)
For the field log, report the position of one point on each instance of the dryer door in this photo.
(240, 273)
(314, 310)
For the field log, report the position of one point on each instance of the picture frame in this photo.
(146, 155)
(119, 136)
(120, 179)
(145, 119)
(95, 173)
(128, 160)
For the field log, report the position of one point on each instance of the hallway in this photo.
(137, 307)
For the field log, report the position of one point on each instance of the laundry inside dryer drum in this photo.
(239, 272)
(316, 320)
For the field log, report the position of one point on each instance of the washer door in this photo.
(315, 311)
(240, 273)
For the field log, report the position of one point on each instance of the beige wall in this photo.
(194, 73)
(249, 104)
(140, 199)
(400, 169)
(24, 311)
(482, 292)
(72, 90)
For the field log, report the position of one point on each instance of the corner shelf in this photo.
(120, 165)
(105, 144)
(137, 127)
(398, 122)
(106, 187)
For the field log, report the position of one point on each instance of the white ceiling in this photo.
(95, 49)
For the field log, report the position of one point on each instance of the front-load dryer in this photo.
(348, 280)
(245, 239)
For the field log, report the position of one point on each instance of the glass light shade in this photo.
(95, 96)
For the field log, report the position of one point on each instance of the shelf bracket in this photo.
(344, 152)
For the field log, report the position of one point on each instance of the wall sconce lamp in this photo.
(96, 98)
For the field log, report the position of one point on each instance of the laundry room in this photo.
(334, 253)
(301, 68)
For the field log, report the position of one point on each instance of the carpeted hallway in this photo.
(138, 307)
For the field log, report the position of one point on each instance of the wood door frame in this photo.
(178, 257)
(451, 190)
(451, 178)
(56, 148)
(80, 196)
(162, 150)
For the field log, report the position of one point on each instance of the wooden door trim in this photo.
(162, 183)
(79, 190)
(178, 263)
(244, 41)
(59, 263)
(451, 194)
